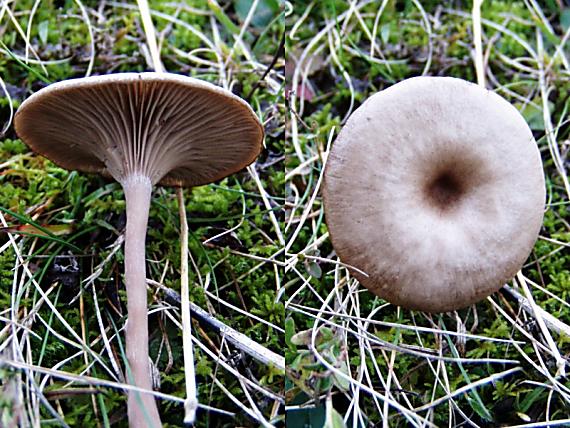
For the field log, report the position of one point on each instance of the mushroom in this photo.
(141, 129)
(434, 193)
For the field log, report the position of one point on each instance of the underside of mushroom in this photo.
(141, 129)
(173, 129)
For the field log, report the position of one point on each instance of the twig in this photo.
(278, 54)
(553, 323)
(560, 362)
(88, 380)
(468, 387)
(239, 340)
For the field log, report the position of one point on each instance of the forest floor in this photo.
(62, 299)
(351, 357)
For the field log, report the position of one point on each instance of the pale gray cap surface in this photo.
(434, 188)
(173, 129)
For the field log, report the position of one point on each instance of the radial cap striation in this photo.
(434, 188)
(173, 129)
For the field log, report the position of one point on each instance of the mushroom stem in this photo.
(142, 409)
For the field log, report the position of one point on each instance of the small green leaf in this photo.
(302, 338)
(289, 332)
(222, 17)
(43, 31)
(313, 269)
(297, 363)
(340, 381)
(565, 18)
(479, 408)
(530, 399)
(324, 384)
(385, 33)
(264, 13)
(325, 335)
(333, 418)
(534, 115)
(313, 366)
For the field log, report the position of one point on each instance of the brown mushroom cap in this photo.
(174, 129)
(434, 188)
